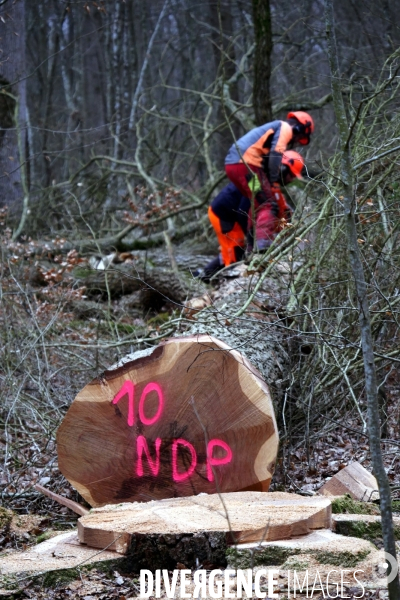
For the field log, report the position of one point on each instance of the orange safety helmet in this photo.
(306, 127)
(294, 162)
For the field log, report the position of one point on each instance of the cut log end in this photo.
(191, 416)
(201, 526)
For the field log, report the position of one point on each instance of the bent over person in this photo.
(253, 162)
(231, 218)
(261, 150)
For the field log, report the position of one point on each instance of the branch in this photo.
(87, 245)
(144, 66)
(374, 158)
(360, 284)
(381, 89)
(305, 105)
(74, 506)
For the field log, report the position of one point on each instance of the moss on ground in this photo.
(61, 577)
(8, 582)
(125, 328)
(347, 505)
(83, 272)
(296, 565)
(159, 319)
(246, 558)
(5, 518)
(396, 506)
(345, 560)
(44, 536)
(364, 530)
(52, 579)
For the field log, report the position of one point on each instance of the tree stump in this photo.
(189, 416)
(173, 526)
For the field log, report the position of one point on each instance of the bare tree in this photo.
(367, 344)
(14, 182)
(262, 61)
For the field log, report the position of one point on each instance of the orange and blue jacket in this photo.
(271, 140)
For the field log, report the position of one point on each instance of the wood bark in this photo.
(204, 423)
(157, 285)
(357, 269)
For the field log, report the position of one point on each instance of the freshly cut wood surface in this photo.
(191, 416)
(242, 516)
(354, 480)
(60, 552)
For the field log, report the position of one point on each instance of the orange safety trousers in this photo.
(227, 241)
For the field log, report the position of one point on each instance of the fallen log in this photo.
(189, 416)
(175, 529)
(156, 284)
(119, 241)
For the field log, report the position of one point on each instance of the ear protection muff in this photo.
(302, 132)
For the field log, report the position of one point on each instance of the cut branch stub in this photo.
(189, 416)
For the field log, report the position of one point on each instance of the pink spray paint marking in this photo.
(214, 462)
(127, 389)
(151, 387)
(141, 446)
(176, 476)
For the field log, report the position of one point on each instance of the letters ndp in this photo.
(148, 459)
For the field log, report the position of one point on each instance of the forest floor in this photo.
(52, 346)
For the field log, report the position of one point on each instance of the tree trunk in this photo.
(169, 531)
(12, 106)
(222, 35)
(357, 268)
(262, 61)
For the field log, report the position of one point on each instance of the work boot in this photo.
(209, 270)
(239, 253)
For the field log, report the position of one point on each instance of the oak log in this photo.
(189, 416)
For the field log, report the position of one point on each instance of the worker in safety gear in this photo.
(253, 162)
(231, 217)
(260, 152)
